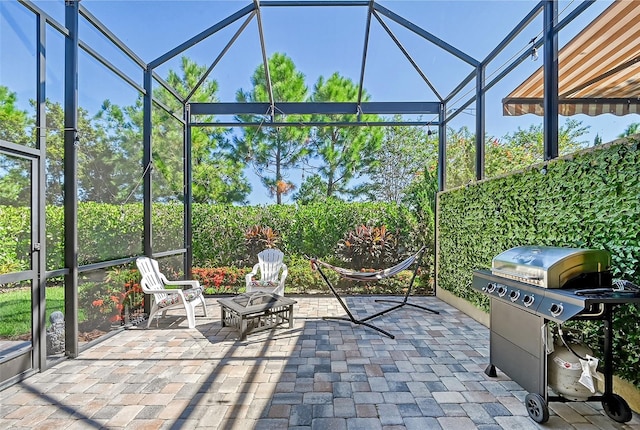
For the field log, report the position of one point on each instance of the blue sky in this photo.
(320, 40)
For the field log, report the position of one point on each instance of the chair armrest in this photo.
(192, 283)
(285, 272)
(151, 279)
(163, 290)
(249, 276)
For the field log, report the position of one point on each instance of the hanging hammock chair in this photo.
(372, 277)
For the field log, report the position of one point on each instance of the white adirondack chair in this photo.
(273, 273)
(162, 299)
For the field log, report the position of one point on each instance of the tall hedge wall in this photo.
(311, 230)
(590, 199)
(108, 232)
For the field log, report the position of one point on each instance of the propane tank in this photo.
(564, 370)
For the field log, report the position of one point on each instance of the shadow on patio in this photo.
(317, 375)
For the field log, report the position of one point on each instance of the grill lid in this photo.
(547, 266)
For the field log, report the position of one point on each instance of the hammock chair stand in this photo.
(315, 263)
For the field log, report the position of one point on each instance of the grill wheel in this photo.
(616, 408)
(537, 407)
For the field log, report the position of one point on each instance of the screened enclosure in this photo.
(88, 184)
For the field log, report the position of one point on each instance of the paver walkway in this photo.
(317, 375)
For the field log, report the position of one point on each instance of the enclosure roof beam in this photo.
(112, 37)
(265, 59)
(322, 108)
(277, 3)
(535, 44)
(461, 85)
(426, 35)
(202, 35)
(222, 53)
(408, 56)
(48, 18)
(110, 66)
(168, 87)
(318, 124)
(515, 32)
(363, 63)
(168, 110)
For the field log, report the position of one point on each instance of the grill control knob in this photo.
(528, 300)
(490, 287)
(502, 290)
(514, 295)
(555, 309)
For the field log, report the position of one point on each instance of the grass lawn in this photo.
(15, 310)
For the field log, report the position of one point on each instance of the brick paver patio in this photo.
(317, 375)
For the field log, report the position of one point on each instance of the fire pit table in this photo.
(249, 313)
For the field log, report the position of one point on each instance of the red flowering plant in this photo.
(114, 301)
(220, 280)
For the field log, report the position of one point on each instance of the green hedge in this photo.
(309, 230)
(108, 232)
(590, 199)
(15, 239)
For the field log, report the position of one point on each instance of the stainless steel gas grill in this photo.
(550, 267)
(528, 287)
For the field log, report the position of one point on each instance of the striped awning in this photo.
(599, 69)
